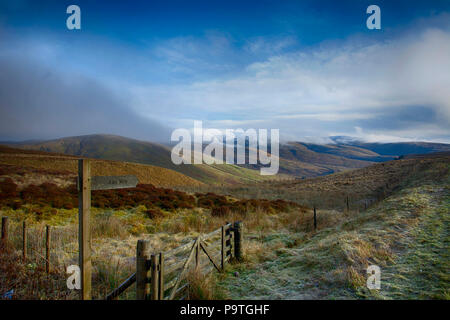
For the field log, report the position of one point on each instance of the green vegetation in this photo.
(364, 187)
(35, 167)
(296, 158)
(140, 156)
(406, 235)
(404, 230)
(115, 234)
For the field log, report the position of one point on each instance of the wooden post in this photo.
(5, 229)
(231, 234)
(47, 249)
(84, 235)
(197, 254)
(161, 276)
(142, 287)
(238, 236)
(348, 207)
(315, 219)
(222, 262)
(154, 282)
(24, 240)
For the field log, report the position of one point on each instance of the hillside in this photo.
(110, 147)
(350, 152)
(27, 167)
(362, 186)
(405, 233)
(394, 148)
(310, 160)
(306, 160)
(298, 159)
(403, 229)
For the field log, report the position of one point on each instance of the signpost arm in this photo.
(84, 208)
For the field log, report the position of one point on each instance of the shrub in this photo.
(205, 203)
(221, 211)
(240, 207)
(154, 213)
(204, 286)
(57, 203)
(17, 204)
(38, 213)
(166, 205)
(108, 226)
(8, 189)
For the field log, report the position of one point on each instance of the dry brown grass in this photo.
(109, 226)
(203, 286)
(336, 246)
(68, 164)
(30, 281)
(364, 187)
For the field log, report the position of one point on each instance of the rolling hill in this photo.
(393, 149)
(404, 233)
(308, 160)
(110, 147)
(296, 158)
(36, 167)
(362, 187)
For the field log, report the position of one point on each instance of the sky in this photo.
(141, 69)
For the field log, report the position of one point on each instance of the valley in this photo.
(297, 159)
(393, 214)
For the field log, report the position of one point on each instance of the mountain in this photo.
(297, 159)
(111, 147)
(36, 167)
(347, 153)
(393, 149)
(304, 159)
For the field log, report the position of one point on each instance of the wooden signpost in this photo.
(114, 182)
(86, 183)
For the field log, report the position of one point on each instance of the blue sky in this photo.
(142, 68)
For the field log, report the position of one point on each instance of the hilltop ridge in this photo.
(296, 158)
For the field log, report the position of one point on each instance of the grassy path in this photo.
(407, 235)
(423, 270)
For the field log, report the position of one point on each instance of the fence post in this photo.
(84, 233)
(315, 219)
(47, 249)
(238, 236)
(231, 234)
(5, 229)
(348, 206)
(142, 287)
(161, 276)
(222, 262)
(154, 283)
(24, 240)
(197, 254)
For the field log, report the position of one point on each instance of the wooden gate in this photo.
(163, 276)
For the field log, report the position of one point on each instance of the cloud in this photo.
(41, 102)
(392, 87)
(270, 46)
(191, 57)
(401, 81)
(405, 135)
